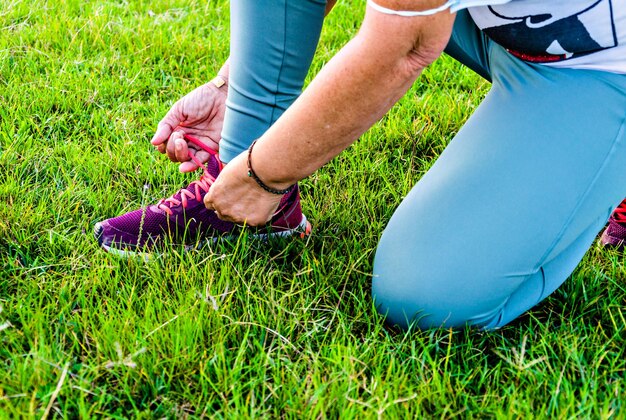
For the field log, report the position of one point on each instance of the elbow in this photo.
(406, 45)
(409, 44)
(411, 65)
(418, 58)
(429, 44)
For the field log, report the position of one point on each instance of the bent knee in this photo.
(429, 290)
(434, 302)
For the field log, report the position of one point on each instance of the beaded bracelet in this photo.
(254, 176)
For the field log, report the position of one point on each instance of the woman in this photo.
(532, 169)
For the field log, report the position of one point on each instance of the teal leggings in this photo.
(509, 208)
(272, 43)
(513, 203)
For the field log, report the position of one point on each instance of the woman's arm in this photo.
(357, 87)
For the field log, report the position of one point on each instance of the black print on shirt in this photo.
(541, 32)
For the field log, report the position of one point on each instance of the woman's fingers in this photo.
(177, 150)
(166, 126)
(190, 165)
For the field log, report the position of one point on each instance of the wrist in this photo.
(266, 183)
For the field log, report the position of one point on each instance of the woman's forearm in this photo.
(357, 87)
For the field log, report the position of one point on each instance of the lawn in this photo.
(243, 329)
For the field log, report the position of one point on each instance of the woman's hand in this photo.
(201, 114)
(236, 197)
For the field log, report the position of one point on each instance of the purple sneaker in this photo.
(183, 219)
(615, 234)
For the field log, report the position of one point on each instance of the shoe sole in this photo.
(303, 230)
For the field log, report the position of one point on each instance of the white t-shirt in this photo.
(589, 34)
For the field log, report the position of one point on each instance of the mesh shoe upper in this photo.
(183, 217)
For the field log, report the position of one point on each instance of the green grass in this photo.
(243, 329)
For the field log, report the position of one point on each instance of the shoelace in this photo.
(200, 186)
(620, 213)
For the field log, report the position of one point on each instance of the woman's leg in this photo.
(272, 46)
(511, 206)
